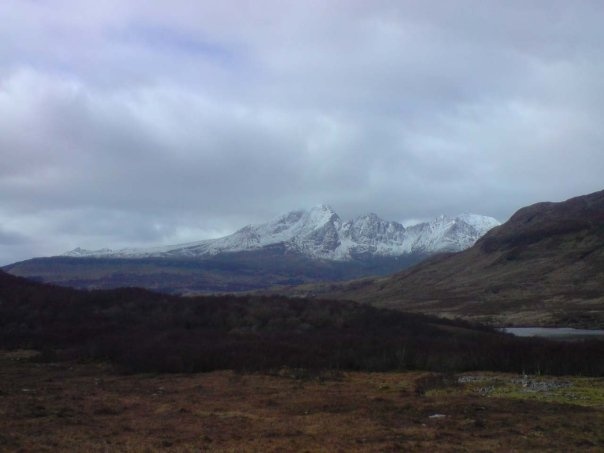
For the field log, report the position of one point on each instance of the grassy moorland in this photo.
(68, 406)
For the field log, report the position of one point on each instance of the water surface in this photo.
(553, 332)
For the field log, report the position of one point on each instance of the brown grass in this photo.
(88, 407)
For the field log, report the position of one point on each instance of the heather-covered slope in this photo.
(544, 266)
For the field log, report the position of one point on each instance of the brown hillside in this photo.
(544, 266)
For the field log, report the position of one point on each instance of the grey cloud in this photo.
(11, 238)
(129, 123)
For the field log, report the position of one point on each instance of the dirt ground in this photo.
(90, 407)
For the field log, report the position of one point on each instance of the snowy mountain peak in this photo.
(321, 215)
(80, 252)
(479, 222)
(370, 218)
(449, 234)
(320, 233)
(323, 208)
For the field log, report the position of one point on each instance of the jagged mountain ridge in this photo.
(299, 247)
(319, 233)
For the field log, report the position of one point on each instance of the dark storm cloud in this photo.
(125, 123)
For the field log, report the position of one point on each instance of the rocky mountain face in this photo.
(319, 233)
(545, 266)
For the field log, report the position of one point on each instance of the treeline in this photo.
(144, 331)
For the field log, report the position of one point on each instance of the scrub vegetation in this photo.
(141, 331)
(89, 407)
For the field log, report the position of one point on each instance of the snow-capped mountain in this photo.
(320, 233)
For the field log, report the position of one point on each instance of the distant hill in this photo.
(544, 266)
(228, 272)
(298, 247)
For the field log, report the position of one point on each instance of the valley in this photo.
(543, 267)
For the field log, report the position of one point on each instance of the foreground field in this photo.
(89, 407)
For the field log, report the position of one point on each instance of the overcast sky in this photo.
(133, 123)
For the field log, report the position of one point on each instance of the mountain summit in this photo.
(319, 233)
